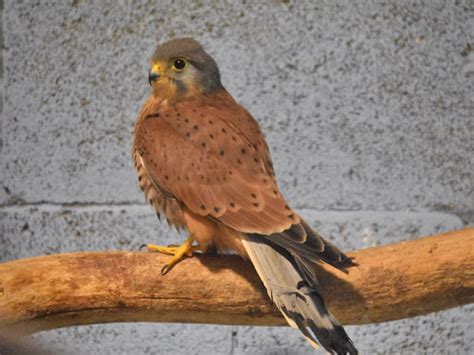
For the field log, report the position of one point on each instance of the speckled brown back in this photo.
(211, 155)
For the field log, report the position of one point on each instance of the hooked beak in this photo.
(155, 73)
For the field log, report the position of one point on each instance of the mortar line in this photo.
(46, 205)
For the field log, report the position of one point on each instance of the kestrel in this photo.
(203, 162)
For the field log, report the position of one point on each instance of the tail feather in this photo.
(302, 240)
(291, 285)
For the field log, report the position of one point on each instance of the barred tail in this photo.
(285, 277)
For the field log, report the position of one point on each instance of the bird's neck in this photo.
(174, 96)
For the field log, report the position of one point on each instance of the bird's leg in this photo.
(179, 252)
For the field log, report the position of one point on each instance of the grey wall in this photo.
(367, 107)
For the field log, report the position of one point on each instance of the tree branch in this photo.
(391, 282)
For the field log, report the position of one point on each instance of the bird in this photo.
(202, 161)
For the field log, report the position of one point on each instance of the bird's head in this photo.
(180, 69)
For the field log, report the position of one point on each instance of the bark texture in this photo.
(391, 282)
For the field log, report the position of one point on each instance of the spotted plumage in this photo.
(202, 162)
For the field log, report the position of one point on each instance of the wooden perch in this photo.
(391, 282)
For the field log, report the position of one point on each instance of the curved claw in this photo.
(142, 246)
(165, 269)
(179, 252)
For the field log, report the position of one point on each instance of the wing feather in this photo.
(212, 157)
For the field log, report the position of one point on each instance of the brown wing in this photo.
(212, 156)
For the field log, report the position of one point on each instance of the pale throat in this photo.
(171, 90)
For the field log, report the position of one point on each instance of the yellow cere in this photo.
(156, 68)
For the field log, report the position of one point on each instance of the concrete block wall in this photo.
(367, 107)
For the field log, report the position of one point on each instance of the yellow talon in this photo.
(179, 252)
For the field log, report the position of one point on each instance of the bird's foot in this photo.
(179, 252)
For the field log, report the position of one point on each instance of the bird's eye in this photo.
(179, 64)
